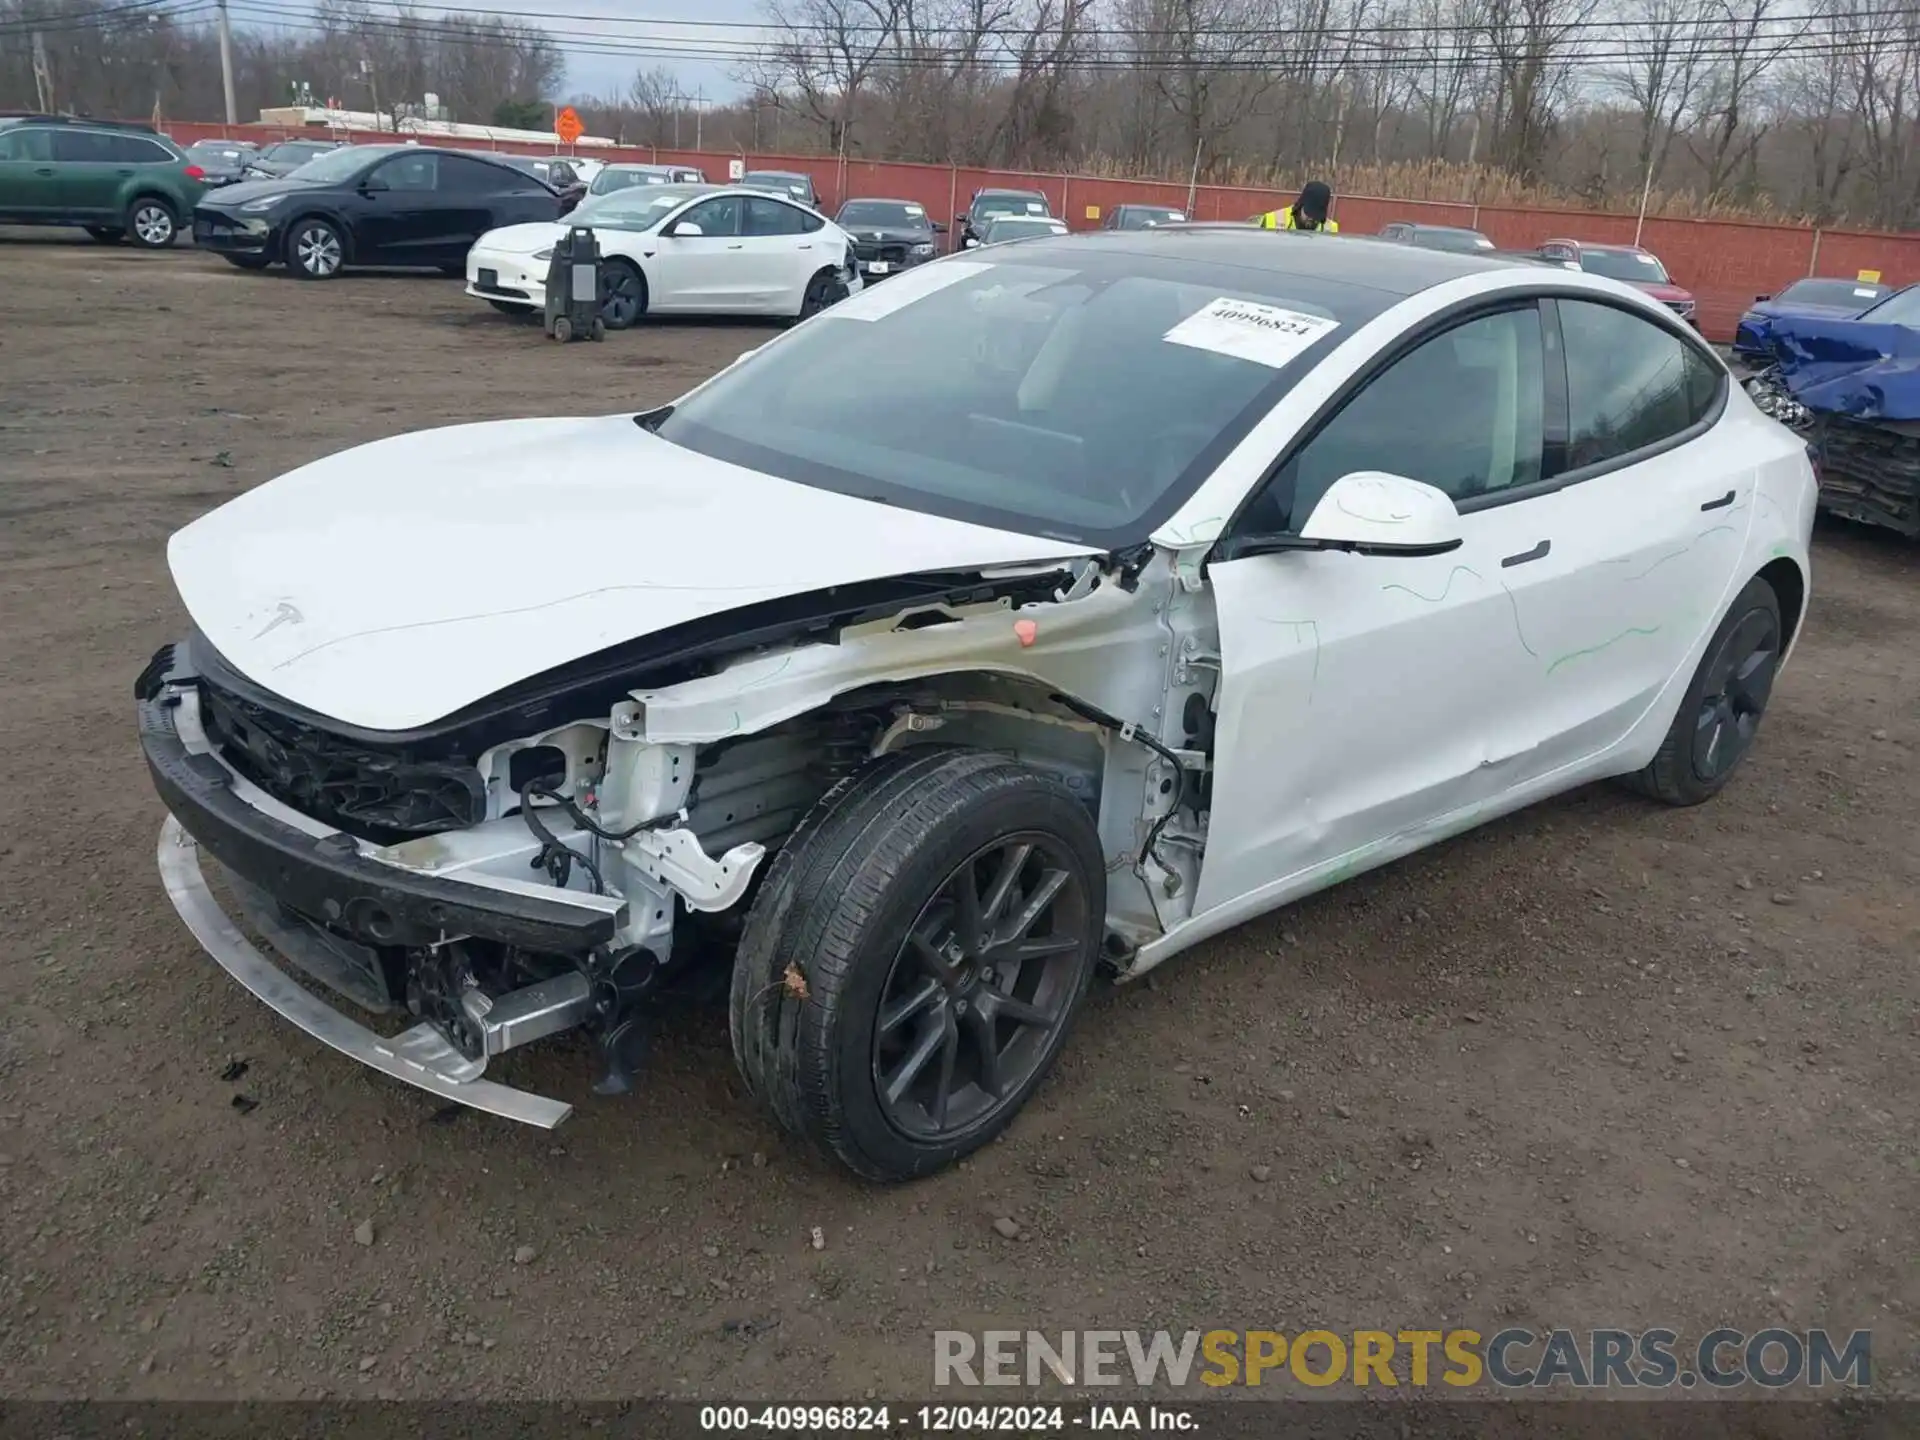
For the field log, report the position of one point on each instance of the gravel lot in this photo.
(1602, 1064)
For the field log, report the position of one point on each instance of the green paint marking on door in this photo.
(1596, 649)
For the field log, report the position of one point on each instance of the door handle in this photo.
(123, 172)
(43, 170)
(736, 247)
(1538, 552)
(1720, 504)
(808, 245)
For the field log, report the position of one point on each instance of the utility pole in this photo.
(42, 75)
(226, 64)
(699, 113)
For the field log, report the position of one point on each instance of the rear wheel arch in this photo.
(1789, 585)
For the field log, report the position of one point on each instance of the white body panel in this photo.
(685, 274)
(492, 552)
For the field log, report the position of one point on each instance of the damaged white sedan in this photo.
(1038, 613)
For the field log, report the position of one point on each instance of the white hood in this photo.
(522, 239)
(393, 584)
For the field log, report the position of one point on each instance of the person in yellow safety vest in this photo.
(1309, 212)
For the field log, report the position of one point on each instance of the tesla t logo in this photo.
(283, 614)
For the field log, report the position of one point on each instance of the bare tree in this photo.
(1662, 41)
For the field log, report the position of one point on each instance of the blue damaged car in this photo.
(1816, 297)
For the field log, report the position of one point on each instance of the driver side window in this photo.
(1462, 412)
(410, 172)
(719, 216)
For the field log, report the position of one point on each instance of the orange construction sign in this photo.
(567, 125)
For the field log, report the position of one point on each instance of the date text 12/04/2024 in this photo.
(941, 1419)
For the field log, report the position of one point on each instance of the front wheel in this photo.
(1720, 713)
(916, 957)
(315, 250)
(822, 290)
(623, 295)
(151, 223)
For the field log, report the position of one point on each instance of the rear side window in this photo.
(461, 176)
(132, 150)
(770, 217)
(1631, 384)
(410, 172)
(83, 145)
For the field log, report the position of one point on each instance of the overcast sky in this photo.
(644, 24)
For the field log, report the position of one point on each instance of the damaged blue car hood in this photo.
(1848, 367)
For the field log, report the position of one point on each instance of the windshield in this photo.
(635, 208)
(988, 206)
(1458, 242)
(1842, 294)
(888, 214)
(1013, 227)
(331, 166)
(1060, 391)
(1900, 308)
(1138, 217)
(615, 178)
(1636, 267)
(785, 184)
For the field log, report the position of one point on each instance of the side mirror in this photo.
(938, 228)
(681, 228)
(1758, 298)
(1375, 513)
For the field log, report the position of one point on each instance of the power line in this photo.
(1374, 51)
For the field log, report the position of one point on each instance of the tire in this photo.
(832, 1001)
(623, 294)
(248, 262)
(1721, 711)
(151, 223)
(107, 234)
(599, 331)
(455, 272)
(562, 329)
(818, 295)
(315, 248)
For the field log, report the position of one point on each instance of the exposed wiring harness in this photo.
(556, 858)
(1127, 730)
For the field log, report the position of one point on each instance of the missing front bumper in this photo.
(420, 1057)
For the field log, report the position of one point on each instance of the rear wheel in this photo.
(315, 250)
(107, 234)
(1720, 713)
(916, 957)
(151, 223)
(623, 294)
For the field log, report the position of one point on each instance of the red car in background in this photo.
(1630, 263)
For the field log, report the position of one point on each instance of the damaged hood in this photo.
(393, 584)
(1858, 368)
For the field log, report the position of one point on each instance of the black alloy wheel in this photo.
(979, 991)
(1739, 683)
(623, 296)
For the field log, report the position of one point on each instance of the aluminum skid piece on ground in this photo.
(420, 1057)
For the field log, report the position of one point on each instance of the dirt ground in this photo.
(1602, 1064)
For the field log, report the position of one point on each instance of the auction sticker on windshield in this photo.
(1247, 330)
(882, 300)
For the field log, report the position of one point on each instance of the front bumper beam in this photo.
(421, 1056)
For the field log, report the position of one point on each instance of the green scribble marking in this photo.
(1445, 590)
(1713, 530)
(1671, 555)
(1780, 550)
(1596, 649)
(1514, 602)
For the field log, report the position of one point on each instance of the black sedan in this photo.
(888, 235)
(553, 170)
(222, 162)
(284, 158)
(370, 205)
